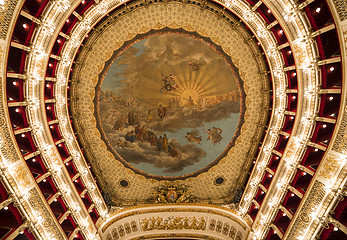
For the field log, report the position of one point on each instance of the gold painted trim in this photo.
(172, 209)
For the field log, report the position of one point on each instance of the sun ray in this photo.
(180, 79)
(198, 77)
(206, 81)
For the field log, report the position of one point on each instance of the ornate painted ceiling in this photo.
(226, 92)
(173, 119)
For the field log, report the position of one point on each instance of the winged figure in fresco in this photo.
(192, 137)
(169, 82)
(214, 135)
(195, 66)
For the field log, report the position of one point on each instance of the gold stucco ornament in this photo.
(171, 194)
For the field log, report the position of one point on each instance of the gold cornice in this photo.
(155, 208)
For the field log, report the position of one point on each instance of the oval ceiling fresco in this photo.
(170, 103)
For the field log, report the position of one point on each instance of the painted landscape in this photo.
(169, 105)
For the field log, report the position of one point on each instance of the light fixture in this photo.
(318, 10)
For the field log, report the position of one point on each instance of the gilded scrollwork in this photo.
(173, 223)
(341, 7)
(330, 168)
(171, 194)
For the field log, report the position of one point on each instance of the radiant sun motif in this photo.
(170, 105)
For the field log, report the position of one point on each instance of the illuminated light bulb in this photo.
(292, 195)
(304, 173)
(67, 20)
(284, 214)
(87, 36)
(316, 149)
(286, 136)
(55, 200)
(290, 52)
(258, 43)
(270, 176)
(34, 160)
(280, 32)
(23, 135)
(50, 65)
(51, 127)
(76, 181)
(16, 110)
(14, 83)
(269, 11)
(67, 164)
(331, 98)
(262, 192)
(336, 228)
(44, 180)
(59, 41)
(255, 207)
(318, 10)
(291, 117)
(5, 208)
(83, 2)
(25, 26)
(331, 69)
(294, 97)
(48, 108)
(294, 74)
(324, 126)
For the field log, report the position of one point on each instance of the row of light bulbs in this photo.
(51, 155)
(276, 123)
(292, 161)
